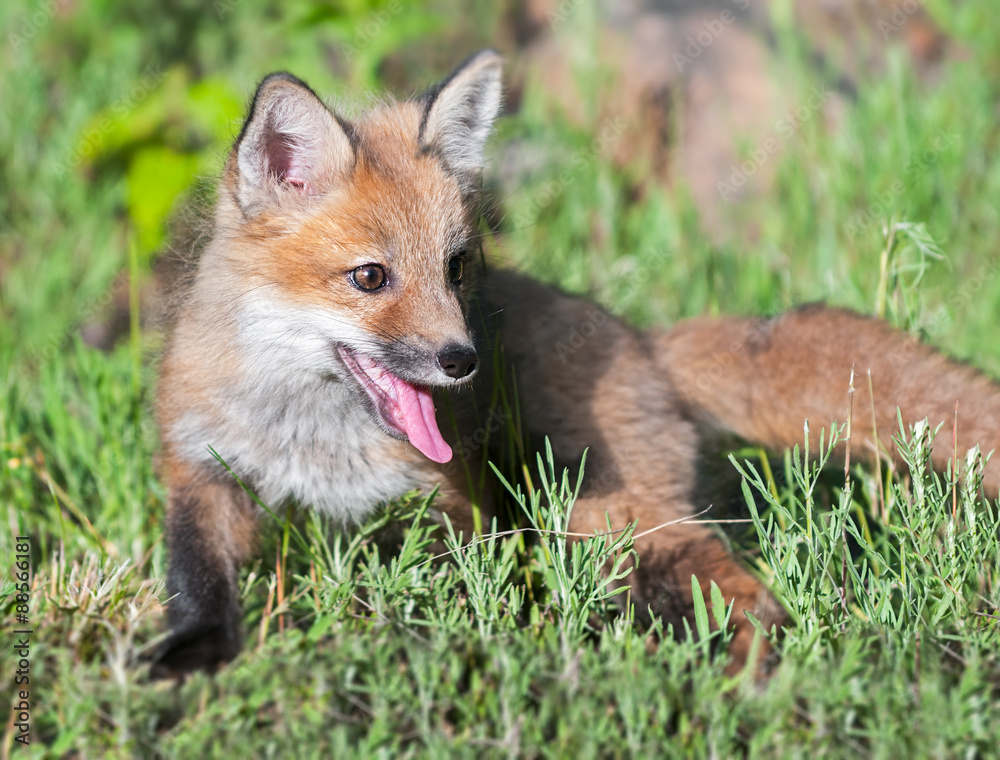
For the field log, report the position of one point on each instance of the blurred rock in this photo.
(700, 84)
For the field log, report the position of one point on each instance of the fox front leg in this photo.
(669, 556)
(210, 530)
(662, 581)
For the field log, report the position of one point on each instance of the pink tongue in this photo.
(415, 413)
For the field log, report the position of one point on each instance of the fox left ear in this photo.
(460, 112)
(291, 146)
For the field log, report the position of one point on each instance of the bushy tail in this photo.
(762, 378)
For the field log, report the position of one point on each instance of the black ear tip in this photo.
(485, 55)
(273, 80)
(281, 76)
(477, 61)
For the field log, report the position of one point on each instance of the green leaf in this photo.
(156, 177)
(320, 627)
(719, 607)
(700, 610)
(216, 108)
(135, 117)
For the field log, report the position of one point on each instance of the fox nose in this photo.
(457, 361)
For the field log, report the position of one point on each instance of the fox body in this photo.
(343, 303)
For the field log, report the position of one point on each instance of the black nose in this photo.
(457, 361)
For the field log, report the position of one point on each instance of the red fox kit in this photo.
(343, 300)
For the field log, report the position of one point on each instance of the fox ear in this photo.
(461, 110)
(291, 145)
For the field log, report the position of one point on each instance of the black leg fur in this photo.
(203, 611)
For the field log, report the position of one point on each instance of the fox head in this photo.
(357, 240)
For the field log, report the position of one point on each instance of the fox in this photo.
(344, 331)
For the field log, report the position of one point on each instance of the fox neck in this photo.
(288, 429)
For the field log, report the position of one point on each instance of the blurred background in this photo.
(715, 156)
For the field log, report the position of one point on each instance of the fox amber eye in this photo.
(368, 277)
(455, 268)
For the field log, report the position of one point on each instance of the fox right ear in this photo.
(291, 146)
(459, 113)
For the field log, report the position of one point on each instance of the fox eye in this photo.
(455, 269)
(368, 277)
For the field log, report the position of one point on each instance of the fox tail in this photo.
(763, 378)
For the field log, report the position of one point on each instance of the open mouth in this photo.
(405, 409)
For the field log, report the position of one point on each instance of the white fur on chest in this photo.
(291, 428)
(316, 446)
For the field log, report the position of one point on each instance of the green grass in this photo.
(513, 646)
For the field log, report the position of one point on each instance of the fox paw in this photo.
(186, 652)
